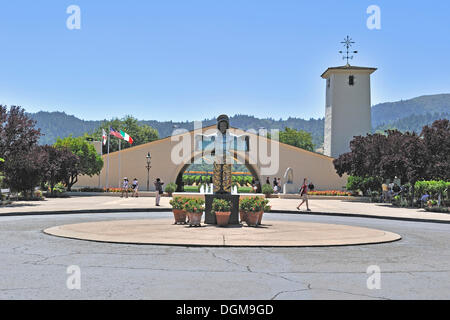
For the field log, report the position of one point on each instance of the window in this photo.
(328, 82)
(351, 80)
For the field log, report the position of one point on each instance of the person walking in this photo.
(159, 190)
(280, 188)
(135, 187)
(124, 187)
(304, 195)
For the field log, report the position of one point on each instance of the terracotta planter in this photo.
(195, 218)
(252, 219)
(260, 217)
(243, 216)
(179, 215)
(222, 218)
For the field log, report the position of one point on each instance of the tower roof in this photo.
(347, 68)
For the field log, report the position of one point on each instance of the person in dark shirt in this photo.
(159, 190)
(304, 195)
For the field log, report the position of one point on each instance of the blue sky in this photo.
(190, 60)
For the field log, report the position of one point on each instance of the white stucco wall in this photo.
(347, 110)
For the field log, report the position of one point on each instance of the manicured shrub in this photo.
(178, 203)
(171, 188)
(267, 189)
(221, 205)
(194, 205)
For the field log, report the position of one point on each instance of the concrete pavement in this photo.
(104, 204)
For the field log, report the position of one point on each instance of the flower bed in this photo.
(332, 193)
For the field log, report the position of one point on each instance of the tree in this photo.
(18, 146)
(58, 165)
(396, 154)
(140, 133)
(436, 140)
(299, 139)
(23, 172)
(89, 162)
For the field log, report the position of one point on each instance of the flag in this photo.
(115, 133)
(104, 137)
(126, 137)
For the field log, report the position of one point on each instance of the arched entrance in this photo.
(205, 171)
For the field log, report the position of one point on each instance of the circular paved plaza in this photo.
(271, 233)
(35, 265)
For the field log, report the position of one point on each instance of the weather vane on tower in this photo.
(348, 44)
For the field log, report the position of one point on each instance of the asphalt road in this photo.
(34, 265)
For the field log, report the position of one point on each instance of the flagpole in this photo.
(119, 164)
(107, 161)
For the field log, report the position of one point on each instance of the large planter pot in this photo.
(260, 217)
(243, 216)
(222, 218)
(252, 219)
(195, 218)
(179, 215)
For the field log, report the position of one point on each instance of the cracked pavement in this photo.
(33, 265)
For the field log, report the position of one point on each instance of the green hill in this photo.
(405, 115)
(389, 112)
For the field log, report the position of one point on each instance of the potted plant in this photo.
(171, 188)
(266, 208)
(243, 209)
(222, 209)
(255, 209)
(194, 209)
(179, 214)
(267, 190)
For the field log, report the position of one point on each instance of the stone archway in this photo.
(179, 176)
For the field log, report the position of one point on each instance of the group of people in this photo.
(277, 186)
(389, 191)
(126, 187)
(135, 189)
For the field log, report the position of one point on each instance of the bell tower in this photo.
(348, 104)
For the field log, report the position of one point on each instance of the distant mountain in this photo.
(412, 123)
(389, 112)
(405, 115)
(59, 124)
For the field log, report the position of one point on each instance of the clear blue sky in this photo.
(190, 60)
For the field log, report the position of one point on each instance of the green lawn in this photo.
(191, 189)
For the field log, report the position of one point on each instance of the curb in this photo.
(333, 214)
(46, 213)
(316, 213)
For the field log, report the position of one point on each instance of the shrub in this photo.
(194, 205)
(245, 190)
(171, 188)
(191, 188)
(254, 204)
(267, 189)
(178, 203)
(221, 205)
(355, 184)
